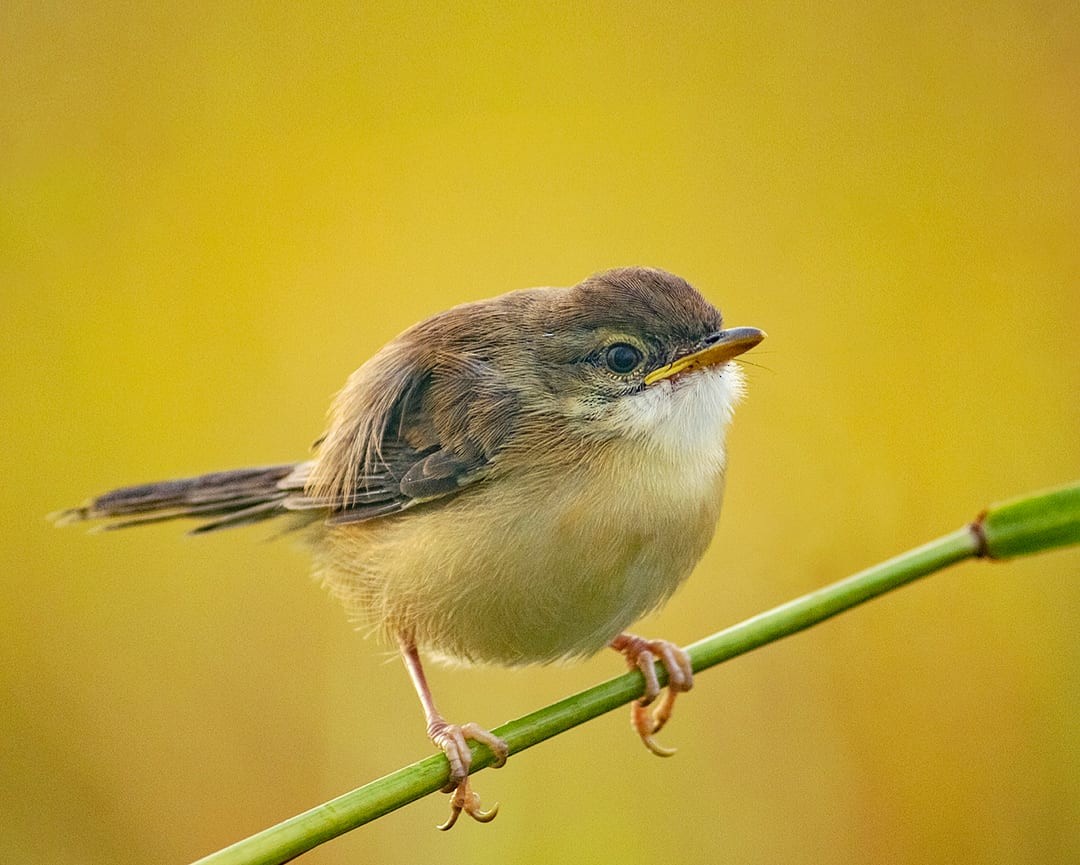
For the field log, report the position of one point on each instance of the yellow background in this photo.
(210, 216)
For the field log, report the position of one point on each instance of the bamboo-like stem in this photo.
(1032, 523)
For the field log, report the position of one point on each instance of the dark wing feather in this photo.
(414, 424)
(416, 478)
(438, 474)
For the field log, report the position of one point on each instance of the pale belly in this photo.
(553, 571)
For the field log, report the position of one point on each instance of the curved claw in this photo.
(467, 800)
(642, 654)
(647, 723)
(453, 740)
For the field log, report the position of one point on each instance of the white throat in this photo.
(685, 419)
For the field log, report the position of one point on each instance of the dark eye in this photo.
(622, 358)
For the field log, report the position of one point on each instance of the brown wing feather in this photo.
(418, 422)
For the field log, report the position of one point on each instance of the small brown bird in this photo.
(513, 481)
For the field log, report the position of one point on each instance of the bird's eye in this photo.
(622, 358)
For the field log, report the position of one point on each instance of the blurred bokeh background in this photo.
(211, 216)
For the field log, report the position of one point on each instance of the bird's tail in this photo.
(221, 499)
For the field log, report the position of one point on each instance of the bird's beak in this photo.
(715, 349)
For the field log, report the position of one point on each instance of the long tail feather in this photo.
(224, 499)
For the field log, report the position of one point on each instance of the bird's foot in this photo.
(466, 799)
(453, 739)
(642, 654)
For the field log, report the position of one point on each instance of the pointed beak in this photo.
(715, 349)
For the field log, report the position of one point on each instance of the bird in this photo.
(513, 481)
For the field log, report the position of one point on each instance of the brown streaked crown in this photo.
(643, 297)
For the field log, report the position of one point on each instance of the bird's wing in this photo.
(404, 431)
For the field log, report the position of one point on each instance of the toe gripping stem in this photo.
(642, 654)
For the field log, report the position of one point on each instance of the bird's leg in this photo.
(453, 740)
(641, 654)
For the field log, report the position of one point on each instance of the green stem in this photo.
(1029, 524)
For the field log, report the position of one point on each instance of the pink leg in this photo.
(453, 740)
(641, 654)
